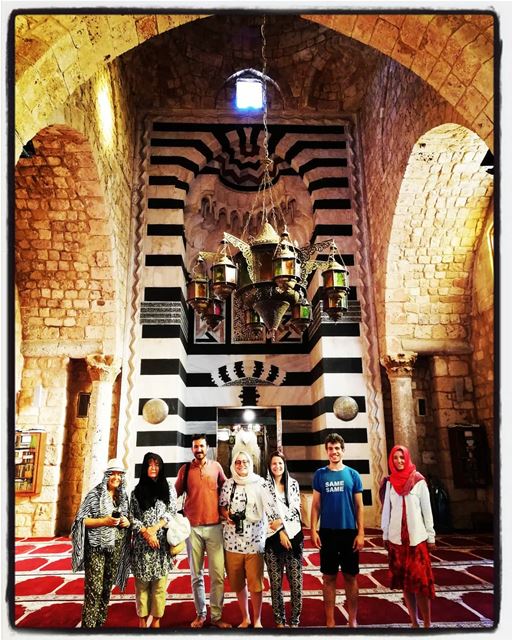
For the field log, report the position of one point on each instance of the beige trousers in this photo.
(150, 597)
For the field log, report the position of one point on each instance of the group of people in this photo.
(242, 524)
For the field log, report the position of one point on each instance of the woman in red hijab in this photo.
(408, 533)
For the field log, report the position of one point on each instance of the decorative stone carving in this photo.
(103, 368)
(345, 408)
(212, 208)
(399, 365)
(155, 411)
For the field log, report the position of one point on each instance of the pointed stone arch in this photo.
(438, 220)
(64, 249)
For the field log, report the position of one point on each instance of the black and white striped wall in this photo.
(195, 378)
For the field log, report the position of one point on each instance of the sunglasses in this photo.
(244, 462)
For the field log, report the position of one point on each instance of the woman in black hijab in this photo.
(152, 505)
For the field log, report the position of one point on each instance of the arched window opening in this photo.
(249, 89)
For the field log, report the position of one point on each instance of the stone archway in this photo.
(63, 248)
(65, 279)
(437, 223)
(452, 53)
(442, 212)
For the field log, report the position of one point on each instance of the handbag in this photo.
(178, 530)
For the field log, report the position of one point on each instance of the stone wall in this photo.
(35, 515)
(76, 447)
(482, 328)
(438, 221)
(114, 419)
(397, 110)
(315, 68)
(453, 53)
(425, 425)
(73, 200)
(63, 248)
(453, 404)
(66, 50)
(113, 150)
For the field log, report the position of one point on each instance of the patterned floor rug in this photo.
(47, 595)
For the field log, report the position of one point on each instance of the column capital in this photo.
(103, 368)
(399, 365)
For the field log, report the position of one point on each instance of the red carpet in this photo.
(379, 611)
(29, 565)
(446, 610)
(38, 586)
(59, 565)
(452, 555)
(48, 595)
(485, 573)
(62, 615)
(483, 603)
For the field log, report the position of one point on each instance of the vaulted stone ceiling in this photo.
(315, 67)
(316, 70)
(452, 53)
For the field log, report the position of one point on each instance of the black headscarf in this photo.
(148, 491)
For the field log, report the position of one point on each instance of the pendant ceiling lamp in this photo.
(270, 273)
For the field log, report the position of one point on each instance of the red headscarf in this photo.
(403, 481)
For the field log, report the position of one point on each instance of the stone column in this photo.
(103, 371)
(399, 368)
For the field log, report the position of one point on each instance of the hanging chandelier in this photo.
(270, 273)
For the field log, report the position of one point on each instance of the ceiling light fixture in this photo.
(270, 274)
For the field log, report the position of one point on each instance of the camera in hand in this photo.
(238, 518)
(116, 514)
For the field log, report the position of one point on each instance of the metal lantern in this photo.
(335, 303)
(285, 265)
(301, 315)
(197, 288)
(253, 320)
(224, 273)
(214, 313)
(336, 289)
(335, 276)
(270, 273)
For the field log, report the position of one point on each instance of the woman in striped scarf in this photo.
(100, 542)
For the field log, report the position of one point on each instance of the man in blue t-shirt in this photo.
(338, 501)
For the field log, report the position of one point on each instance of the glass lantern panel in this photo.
(335, 278)
(284, 267)
(197, 289)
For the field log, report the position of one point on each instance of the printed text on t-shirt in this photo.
(334, 485)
